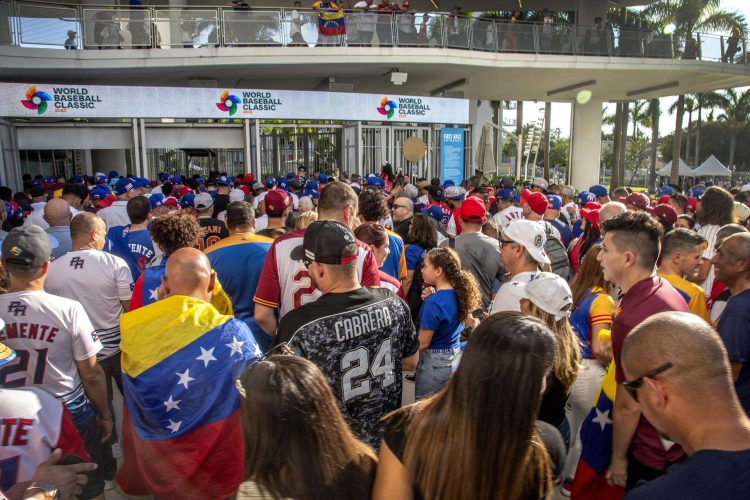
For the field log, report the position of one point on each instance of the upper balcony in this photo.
(284, 48)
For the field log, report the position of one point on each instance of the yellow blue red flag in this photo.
(181, 430)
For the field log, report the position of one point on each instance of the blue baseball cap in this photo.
(141, 182)
(270, 182)
(200, 180)
(283, 184)
(113, 173)
(312, 194)
(311, 186)
(176, 179)
(289, 176)
(434, 211)
(696, 193)
(555, 202)
(666, 190)
(187, 200)
(100, 179)
(506, 194)
(100, 192)
(124, 185)
(448, 183)
(223, 180)
(49, 179)
(163, 176)
(322, 178)
(376, 181)
(157, 200)
(598, 191)
(585, 197)
(77, 179)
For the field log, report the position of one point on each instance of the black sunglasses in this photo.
(632, 387)
(503, 242)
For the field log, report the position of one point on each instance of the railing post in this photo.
(443, 30)
(535, 33)
(721, 46)
(574, 39)
(698, 47)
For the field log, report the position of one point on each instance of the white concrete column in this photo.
(585, 144)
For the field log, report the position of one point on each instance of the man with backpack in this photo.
(534, 207)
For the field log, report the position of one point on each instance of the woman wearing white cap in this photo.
(548, 297)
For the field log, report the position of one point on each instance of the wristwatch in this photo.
(50, 491)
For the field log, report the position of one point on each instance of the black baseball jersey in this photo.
(358, 340)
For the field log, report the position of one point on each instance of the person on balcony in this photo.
(733, 46)
(70, 43)
(407, 31)
(295, 26)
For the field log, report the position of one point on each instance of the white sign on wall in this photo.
(90, 101)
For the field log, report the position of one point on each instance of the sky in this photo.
(561, 111)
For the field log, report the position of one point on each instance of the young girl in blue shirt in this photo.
(455, 297)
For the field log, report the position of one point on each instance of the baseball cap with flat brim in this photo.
(327, 242)
(26, 248)
(548, 291)
(530, 235)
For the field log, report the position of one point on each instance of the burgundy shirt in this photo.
(646, 298)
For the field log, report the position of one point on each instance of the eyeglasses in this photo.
(394, 207)
(632, 387)
(503, 242)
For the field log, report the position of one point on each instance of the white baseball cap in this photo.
(548, 291)
(741, 210)
(236, 195)
(203, 201)
(540, 182)
(531, 236)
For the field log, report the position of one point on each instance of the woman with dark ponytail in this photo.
(455, 297)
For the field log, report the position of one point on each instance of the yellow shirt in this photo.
(692, 293)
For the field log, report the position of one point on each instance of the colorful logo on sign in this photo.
(36, 100)
(228, 102)
(387, 108)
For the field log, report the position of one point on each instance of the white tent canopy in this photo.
(712, 167)
(684, 170)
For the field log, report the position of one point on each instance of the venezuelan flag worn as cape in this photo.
(181, 430)
(596, 441)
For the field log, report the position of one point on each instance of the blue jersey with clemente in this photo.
(135, 247)
(238, 261)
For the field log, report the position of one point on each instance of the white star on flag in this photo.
(185, 378)
(235, 346)
(174, 426)
(171, 404)
(207, 356)
(152, 295)
(602, 418)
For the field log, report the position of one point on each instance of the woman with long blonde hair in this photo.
(478, 436)
(548, 298)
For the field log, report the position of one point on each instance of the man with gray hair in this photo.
(676, 368)
(306, 204)
(732, 267)
(568, 194)
(611, 209)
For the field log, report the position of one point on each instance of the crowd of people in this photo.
(594, 343)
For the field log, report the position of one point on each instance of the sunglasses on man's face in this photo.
(632, 387)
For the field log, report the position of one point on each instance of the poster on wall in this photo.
(452, 155)
(32, 100)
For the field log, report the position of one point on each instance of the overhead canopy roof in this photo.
(684, 170)
(712, 167)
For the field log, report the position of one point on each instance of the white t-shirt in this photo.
(709, 232)
(504, 299)
(116, 214)
(52, 333)
(99, 281)
(504, 217)
(261, 223)
(37, 217)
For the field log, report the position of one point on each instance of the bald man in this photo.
(103, 284)
(180, 360)
(732, 267)
(402, 211)
(676, 367)
(57, 215)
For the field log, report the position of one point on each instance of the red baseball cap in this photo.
(276, 201)
(183, 191)
(172, 202)
(248, 179)
(664, 200)
(638, 200)
(473, 210)
(591, 215)
(692, 204)
(538, 203)
(665, 214)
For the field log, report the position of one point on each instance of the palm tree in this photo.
(735, 110)
(688, 17)
(700, 100)
(690, 106)
(654, 110)
(639, 115)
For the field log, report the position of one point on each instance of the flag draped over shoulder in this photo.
(182, 436)
(145, 287)
(596, 440)
(331, 18)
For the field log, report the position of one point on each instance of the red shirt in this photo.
(646, 298)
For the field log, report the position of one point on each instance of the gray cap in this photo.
(203, 201)
(26, 248)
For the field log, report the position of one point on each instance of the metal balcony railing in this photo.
(26, 23)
